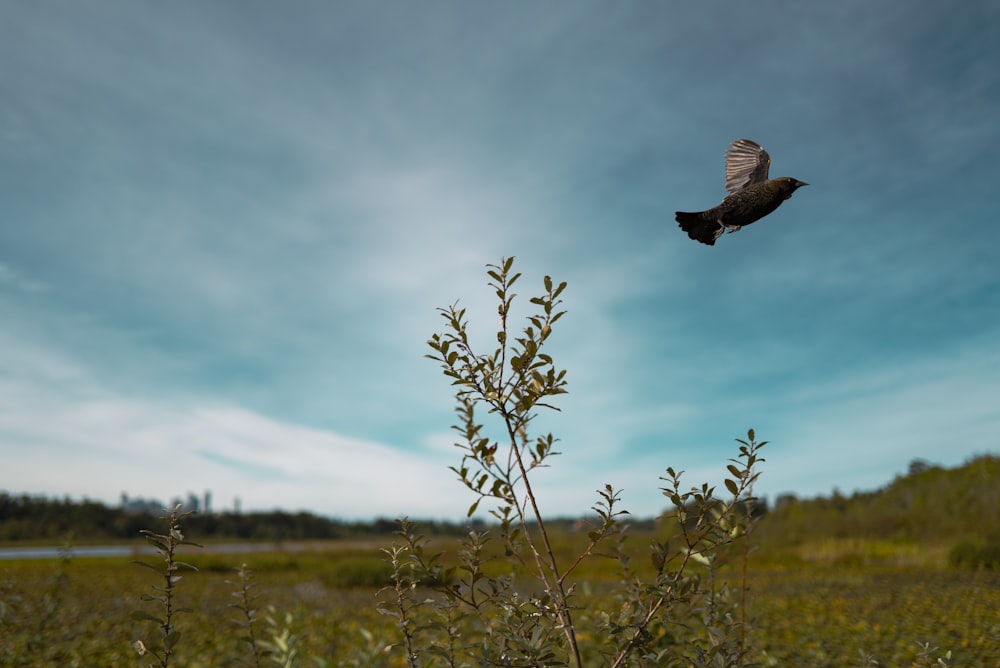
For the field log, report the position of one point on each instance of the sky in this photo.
(226, 229)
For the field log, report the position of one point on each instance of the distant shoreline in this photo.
(32, 552)
(84, 551)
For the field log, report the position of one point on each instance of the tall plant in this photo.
(482, 613)
(164, 597)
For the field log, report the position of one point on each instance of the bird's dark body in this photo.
(752, 195)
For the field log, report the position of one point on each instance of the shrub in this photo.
(510, 600)
(976, 553)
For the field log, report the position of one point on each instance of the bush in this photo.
(510, 600)
(976, 553)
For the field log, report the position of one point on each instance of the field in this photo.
(821, 605)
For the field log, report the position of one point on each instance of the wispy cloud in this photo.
(96, 443)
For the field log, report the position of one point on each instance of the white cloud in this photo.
(63, 432)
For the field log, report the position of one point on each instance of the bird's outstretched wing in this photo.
(746, 164)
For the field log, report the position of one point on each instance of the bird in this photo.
(751, 194)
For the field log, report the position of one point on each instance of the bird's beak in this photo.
(799, 184)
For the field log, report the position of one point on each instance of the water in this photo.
(13, 553)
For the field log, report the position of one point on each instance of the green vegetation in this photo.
(804, 613)
(930, 503)
(928, 516)
(907, 576)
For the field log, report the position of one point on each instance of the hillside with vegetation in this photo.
(928, 504)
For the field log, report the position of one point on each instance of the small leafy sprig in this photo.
(166, 545)
(704, 525)
(246, 605)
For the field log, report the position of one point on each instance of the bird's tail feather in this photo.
(698, 227)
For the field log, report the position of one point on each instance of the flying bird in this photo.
(751, 194)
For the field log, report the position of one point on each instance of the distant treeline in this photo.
(928, 504)
(24, 517)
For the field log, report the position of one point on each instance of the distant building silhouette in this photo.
(140, 505)
(137, 505)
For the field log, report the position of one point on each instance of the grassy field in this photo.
(818, 605)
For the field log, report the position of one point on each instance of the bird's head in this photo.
(787, 185)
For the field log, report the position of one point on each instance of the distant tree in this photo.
(783, 500)
(918, 466)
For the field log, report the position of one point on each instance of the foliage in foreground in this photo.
(803, 614)
(511, 600)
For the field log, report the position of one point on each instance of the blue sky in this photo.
(226, 228)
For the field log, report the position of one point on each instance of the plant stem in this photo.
(554, 587)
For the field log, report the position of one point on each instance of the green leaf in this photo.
(143, 616)
(149, 566)
(157, 543)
